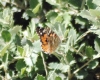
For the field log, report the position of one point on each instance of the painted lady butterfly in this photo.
(49, 39)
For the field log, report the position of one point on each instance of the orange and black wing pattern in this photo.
(49, 39)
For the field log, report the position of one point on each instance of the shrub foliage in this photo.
(75, 21)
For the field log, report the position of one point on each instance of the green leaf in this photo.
(31, 28)
(3, 51)
(51, 16)
(36, 9)
(67, 18)
(53, 65)
(70, 58)
(17, 40)
(96, 31)
(59, 18)
(39, 77)
(39, 64)
(37, 46)
(6, 36)
(58, 78)
(95, 13)
(96, 2)
(86, 14)
(0, 27)
(81, 74)
(75, 3)
(53, 74)
(20, 50)
(52, 2)
(33, 3)
(23, 70)
(58, 28)
(25, 16)
(62, 67)
(97, 45)
(28, 61)
(81, 47)
(5, 61)
(90, 4)
(15, 29)
(23, 41)
(93, 64)
(30, 13)
(81, 21)
(8, 16)
(89, 52)
(32, 59)
(5, 57)
(20, 64)
(72, 36)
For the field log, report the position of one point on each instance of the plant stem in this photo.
(44, 64)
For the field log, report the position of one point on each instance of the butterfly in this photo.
(49, 39)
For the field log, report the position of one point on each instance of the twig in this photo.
(77, 52)
(98, 56)
(82, 66)
(83, 35)
(44, 64)
(83, 3)
(69, 69)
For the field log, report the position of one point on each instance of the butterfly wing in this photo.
(49, 39)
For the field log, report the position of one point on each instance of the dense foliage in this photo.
(76, 22)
